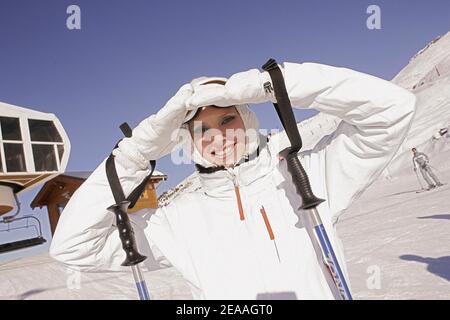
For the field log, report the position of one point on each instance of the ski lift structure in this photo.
(34, 148)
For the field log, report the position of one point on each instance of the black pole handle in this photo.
(284, 110)
(300, 179)
(126, 234)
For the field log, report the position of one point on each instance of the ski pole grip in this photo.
(126, 234)
(287, 117)
(300, 179)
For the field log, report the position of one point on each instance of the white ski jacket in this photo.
(238, 236)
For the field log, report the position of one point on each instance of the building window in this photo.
(44, 131)
(14, 157)
(60, 151)
(10, 128)
(44, 157)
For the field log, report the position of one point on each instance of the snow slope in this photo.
(401, 235)
(391, 231)
(428, 77)
(41, 277)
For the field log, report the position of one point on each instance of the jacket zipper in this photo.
(238, 195)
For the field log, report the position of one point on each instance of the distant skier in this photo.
(421, 159)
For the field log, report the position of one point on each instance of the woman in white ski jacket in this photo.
(239, 236)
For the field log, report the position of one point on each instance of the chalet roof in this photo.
(71, 181)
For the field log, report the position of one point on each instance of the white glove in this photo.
(245, 87)
(156, 135)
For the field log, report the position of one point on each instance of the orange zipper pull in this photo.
(266, 221)
(238, 198)
(269, 230)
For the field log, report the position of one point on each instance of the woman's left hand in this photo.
(241, 88)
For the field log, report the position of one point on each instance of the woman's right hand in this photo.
(156, 135)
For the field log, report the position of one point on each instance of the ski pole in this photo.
(435, 169)
(133, 257)
(120, 208)
(418, 179)
(301, 180)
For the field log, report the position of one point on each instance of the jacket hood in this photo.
(252, 137)
(249, 118)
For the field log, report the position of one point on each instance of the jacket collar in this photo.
(221, 183)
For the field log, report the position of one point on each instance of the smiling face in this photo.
(219, 135)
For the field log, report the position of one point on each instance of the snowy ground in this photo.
(41, 277)
(402, 234)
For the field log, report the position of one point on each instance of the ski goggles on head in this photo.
(197, 83)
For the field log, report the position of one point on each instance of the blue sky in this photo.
(130, 57)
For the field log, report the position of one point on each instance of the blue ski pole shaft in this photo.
(133, 257)
(309, 205)
(141, 286)
(330, 256)
(418, 179)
